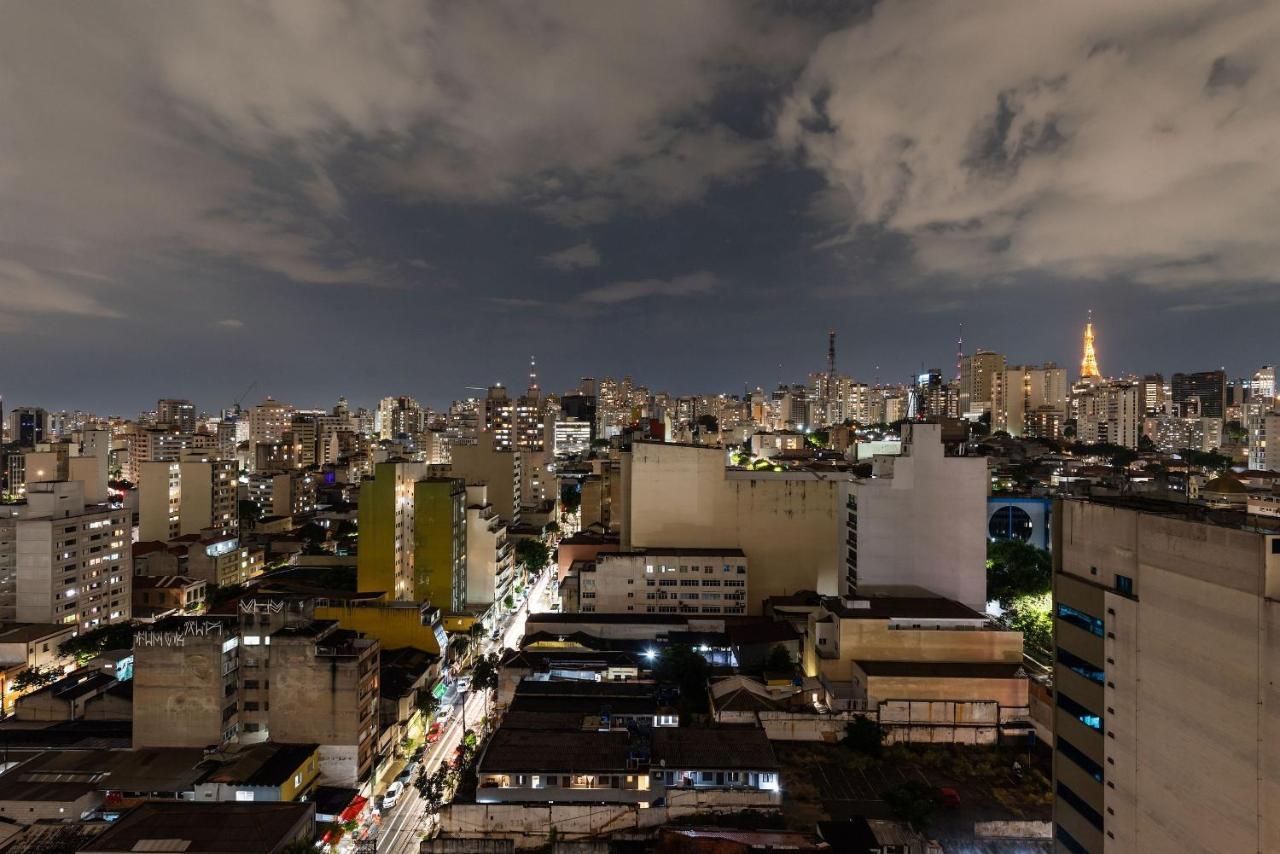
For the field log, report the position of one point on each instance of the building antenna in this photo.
(533, 376)
(959, 352)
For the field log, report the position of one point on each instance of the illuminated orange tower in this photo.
(1089, 364)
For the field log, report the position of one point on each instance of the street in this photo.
(403, 827)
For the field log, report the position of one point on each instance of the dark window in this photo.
(1275, 546)
(1076, 755)
(1069, 660)
(1080, 619)
(1086, 716)
(1068, 841)
(1010, 523)
(1078, 804)
(1124, 584)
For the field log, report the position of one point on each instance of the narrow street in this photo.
(404, 826)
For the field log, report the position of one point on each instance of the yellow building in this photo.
(440, 542)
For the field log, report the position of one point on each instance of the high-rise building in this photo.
(195, 495)
(386, 558)
(399, 416)
(1108, 412)
(440, 542)
(28, 425)
(268, 421)
(1166, 715)
(1027, 395)
(980, 377)
(1200, 395)
(1264, 383)
(175, 413)
(1153, 394)
(1264, 441)
(490, 557)
(63, 560)
(499, 417)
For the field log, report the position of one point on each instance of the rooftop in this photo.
(900, 607)
(205, 828)
(28, 632)
(266, 764)
(718, 748)
(1222, 518)
(555, 751)
(945, 669)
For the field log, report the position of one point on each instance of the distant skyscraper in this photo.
(1153, 393)
(1200, 395)
(1264, 383)
(179, 414)
(1089, 363)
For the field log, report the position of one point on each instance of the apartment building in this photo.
(63, 560)
(1167, 718)
(267, 673)
(1024, 390)
(440, 542)
(920, 520)
(490, 556)
(282, 493)
(386, 559)
(495, 465)
(659, 581)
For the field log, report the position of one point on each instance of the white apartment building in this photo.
(1020, 391)
(919, 521)
(1109, 412)
(660, 581)
(1264, 430)
(195, 495)
(570, 437)
(64, 561)
(268, 422)
(490, 556)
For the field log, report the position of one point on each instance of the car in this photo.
(949, 797)
(463, 685)
(392, 796)
(416, 757)
(433, 734)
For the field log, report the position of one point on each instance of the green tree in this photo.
(533, 553)
(484, 677)
(1016, 569)
(36, 677)
(85, 646)
(865, 736)
(427, 702)
(1031, 615)
(779, 659)
(433, 787)
(707, 424)
(685, 668)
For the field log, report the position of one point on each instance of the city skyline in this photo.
(693, 196)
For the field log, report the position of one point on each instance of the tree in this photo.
(85, 646)
(533, 553)
(427, 702)
(433, 787)
(484, 676)
(686, 669)
(864, 735)
(248, 511)
(570, 497)
(913, 802)
(707, 424)
(1016, 569)
(779, 659)
(36, 677)
(1031, 615)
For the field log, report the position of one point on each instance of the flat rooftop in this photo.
(713, 748)
(944, 669)
(555, 751)
(204, 828)
(1222, 518)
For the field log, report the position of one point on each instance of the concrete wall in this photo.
(926, 525)
(873, 640)
(1192, 741)
(786, 523)
(527, 825)
(178, 693)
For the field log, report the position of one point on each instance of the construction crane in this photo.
(245, 394)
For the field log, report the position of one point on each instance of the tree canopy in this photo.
(533, 553)
(685, 668)
(86, 645)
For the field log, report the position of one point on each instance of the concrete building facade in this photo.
(1167, 713)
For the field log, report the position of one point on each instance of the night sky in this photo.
(386, 198)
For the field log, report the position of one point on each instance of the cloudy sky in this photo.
(379, 198)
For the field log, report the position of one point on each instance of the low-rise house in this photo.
(170, 594)
(263, 772)
(527, 761)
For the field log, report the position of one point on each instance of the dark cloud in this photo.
(317, 194)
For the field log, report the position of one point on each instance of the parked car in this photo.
(433, 735)
(463, 685)
(949, 797)
(392, 796)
